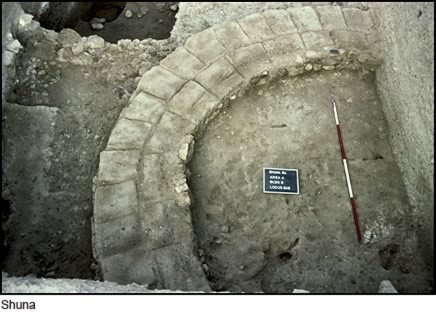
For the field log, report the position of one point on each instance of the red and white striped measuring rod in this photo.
(347, 174)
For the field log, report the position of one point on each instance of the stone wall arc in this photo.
(141, 192)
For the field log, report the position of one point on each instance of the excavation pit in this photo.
(327, 257)
(142, 161)
(214, 73)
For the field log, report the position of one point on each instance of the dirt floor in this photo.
(257, 242)
(149, 20)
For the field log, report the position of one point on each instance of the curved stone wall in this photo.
(142, 223)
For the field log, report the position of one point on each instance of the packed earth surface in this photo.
(133, 153)
(256, 242)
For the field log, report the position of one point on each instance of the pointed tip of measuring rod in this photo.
(333, 98)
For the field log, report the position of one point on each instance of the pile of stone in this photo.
(123, 63)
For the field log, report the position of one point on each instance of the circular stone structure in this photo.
(142, 226)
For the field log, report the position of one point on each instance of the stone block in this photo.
(317, 41)
(279, 22)
(165, 223)
(183, 270)
(116, 201)
(145, 107)
(285, 50)
(220, 78)
(169, 133)
(205, 46)
(189, 94)
(256, 28)
(158, 177)
(161, 83)
(204, 108)
(128, 135)
(284, 44)
(231, 35)
(182, 63)
(331, 17)
(117, 166)
(193, 102)
(250, 61)
(152, 185)
(133, 266)
(350, 40)
(186, 150)
(305, 19)
(117, 236)
(172, 267)
(374, 46)
(358, 20)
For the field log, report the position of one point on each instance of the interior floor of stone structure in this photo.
(257, 242)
